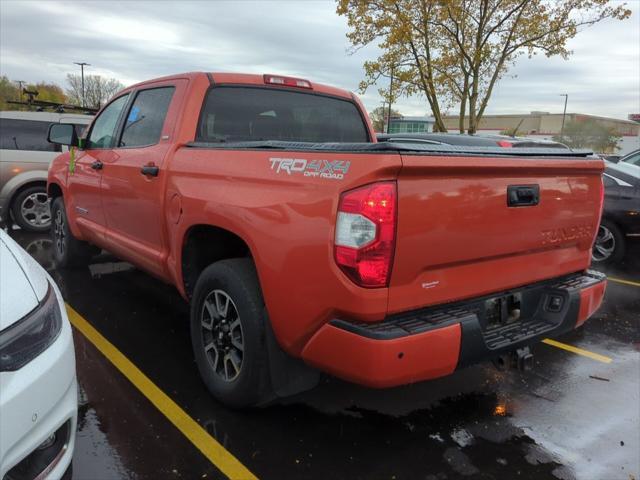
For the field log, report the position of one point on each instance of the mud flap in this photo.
(289, 375)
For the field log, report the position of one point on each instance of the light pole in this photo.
(20, 86)
(564, 114)
(82, 65)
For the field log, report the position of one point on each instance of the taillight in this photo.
(366, 233)
(505, 144)
(287, 81)
(601, 198)
(601, 209)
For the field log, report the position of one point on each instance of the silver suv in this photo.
(25, 155)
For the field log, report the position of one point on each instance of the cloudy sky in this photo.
(134, 41)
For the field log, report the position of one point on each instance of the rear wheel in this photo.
(228, 333)
(68, 251)
(609, 246)
(30, 209)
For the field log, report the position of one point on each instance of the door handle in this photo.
(150, 170)
(97, 165)
(523, 195)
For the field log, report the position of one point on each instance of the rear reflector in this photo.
(366, 233)
(505, 144)
(287, 81)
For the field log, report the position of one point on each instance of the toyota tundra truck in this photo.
(304, 246)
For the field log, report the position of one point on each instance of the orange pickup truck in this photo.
(303, 245)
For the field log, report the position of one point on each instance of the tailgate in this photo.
(458, 238)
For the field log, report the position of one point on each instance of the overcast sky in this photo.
(134, 41)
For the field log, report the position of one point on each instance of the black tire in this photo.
(610, 245)
(68, 251)
(249, 384)
(30, 209)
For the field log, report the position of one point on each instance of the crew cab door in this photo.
(133, 177)
(83, 183)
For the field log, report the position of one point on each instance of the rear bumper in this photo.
(434, 342)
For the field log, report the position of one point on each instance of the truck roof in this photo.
(252, 79)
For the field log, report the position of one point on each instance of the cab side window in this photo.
(103, 131)
(144, 122)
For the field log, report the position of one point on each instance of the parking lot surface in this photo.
(146, 414)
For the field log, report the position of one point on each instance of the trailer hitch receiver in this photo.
(520, 359)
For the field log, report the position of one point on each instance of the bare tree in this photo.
(454, 51)
(97, 89)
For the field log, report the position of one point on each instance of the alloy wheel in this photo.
(35, 210)
(58, 233)
(604, 245)
(222, 335)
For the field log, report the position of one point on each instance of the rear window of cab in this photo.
(237, 114)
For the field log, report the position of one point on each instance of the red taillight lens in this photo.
(601, 200)
(287, 81)
(505, 144)
(601, 197)
(595, 235)
(366, 233)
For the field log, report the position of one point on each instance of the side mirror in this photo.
(63, 134)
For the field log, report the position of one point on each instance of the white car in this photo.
(38, 389)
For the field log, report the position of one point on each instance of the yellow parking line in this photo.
(579, 351)
(624, 282)
(209, 446)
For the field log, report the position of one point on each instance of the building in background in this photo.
(411, 124)
(547, 125)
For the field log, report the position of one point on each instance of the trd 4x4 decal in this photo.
(334, 169)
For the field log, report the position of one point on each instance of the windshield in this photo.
(633, 158)
(628, 168)
(238, 114)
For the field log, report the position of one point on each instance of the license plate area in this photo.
(503, 310)
(515, 316)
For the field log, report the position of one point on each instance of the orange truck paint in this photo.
(455, 238)
(590, 301)
(384, 363)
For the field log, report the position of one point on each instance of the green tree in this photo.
(379, 117)
(589, 134)
(8, 91)
(48, 92)
(454, 51)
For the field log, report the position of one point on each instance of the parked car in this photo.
(25, 156)
(38, 390)
(633, 158)
(476, 140)
(621, 214)
(295, 236)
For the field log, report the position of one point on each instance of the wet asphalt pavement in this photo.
(569, 417)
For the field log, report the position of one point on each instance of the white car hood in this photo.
(23, 283)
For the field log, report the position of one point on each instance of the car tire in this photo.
(30, 209)
(609, 247)
(228, 333)
(68, 251)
